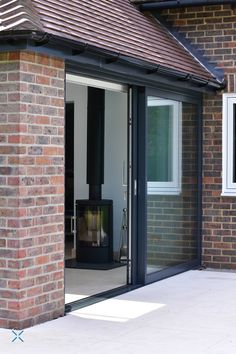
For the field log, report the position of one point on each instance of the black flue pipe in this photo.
(149, 6)
(95, 142)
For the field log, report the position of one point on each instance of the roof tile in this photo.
(113, 25)
(118, 26)
(18, 14)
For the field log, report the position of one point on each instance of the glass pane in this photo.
(160, 142)
(172, 217)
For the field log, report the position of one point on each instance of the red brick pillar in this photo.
(31, 189)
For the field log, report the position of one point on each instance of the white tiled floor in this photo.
(192, 313)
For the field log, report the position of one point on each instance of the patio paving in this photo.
(191, 313)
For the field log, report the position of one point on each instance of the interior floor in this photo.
(81, 283)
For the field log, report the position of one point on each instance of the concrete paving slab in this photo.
(191, 313)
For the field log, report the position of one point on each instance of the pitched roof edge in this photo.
(19, 14)
(216, 73)
(41, 38)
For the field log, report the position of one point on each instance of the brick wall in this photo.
(31, 189)
(212, 30)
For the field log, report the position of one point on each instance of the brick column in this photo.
(31, 189)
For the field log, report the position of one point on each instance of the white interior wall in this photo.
(115, 157)
(78, 94)
(115, 150)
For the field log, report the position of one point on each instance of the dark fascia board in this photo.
(197, 54)
(168, 4)
(94, 66)
(86, 65)
(45, 41)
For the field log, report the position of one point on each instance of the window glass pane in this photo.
(229, 145)
(160, 142)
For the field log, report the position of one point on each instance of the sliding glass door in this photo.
(170, 233)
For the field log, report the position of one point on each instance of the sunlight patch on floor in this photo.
(73, 297)
(116, 310)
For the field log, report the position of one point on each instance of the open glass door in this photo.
(96, 246)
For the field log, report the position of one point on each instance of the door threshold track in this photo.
(93, 299)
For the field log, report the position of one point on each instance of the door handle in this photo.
(72, 224)
(135, 187)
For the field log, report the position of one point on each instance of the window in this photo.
(164, 146)
(229, 145)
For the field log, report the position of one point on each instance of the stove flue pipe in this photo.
(95, 142)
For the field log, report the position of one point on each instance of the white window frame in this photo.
(228, 186)
(173, 187)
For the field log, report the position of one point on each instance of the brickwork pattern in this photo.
(31, 189)
(212, 29)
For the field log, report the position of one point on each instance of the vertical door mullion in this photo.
(132, 178)
(139, 185)
(129, 188)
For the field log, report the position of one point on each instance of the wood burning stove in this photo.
(94, 216)
(94, 231)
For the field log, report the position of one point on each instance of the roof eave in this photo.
(151, 69)
(45, 39)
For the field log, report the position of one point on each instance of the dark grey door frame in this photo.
(138, 197)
